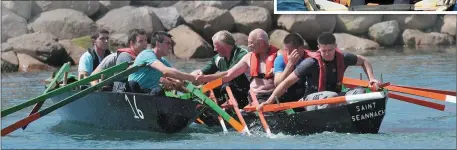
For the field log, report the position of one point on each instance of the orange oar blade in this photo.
(261, 117)
(433, 95)
(418, 102)
(452, 93)
(211, 85)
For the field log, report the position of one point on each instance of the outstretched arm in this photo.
(282, 87)
(172, 72)
(366, 65)
(228, 75)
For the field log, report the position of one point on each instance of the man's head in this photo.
(258, 41)
(293, 41)
(162, 43)
(100, 39)
(223, 43)
(137, 40)
(327, 45)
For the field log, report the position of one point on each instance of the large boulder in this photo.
(308, 26)
(413, 21)
(189, 44)
(41, 46)
(248, 18)
(30, 64)
(74, 51)
(241, 39)
(265, 4)
(415, 37)
(207, 20)
(122, 20)
(64, 23)
(106, 6)
(188, 5)
(169, 16)
(9, 62)
(151, 3)
(21, 8)
(356, 23)
(6, 47)
(385, 33)
(449, 25)
(87, 7)
(119, 40)
(12, 25)
(351, 42)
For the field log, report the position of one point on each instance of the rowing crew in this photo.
(290, 74)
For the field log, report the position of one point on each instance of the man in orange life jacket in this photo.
(324, 72)
(258, 63)
(285, 63)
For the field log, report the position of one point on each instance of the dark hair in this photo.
(95, 35)
(326, 38)
(159, 37)
(295, 39)
(134, 33)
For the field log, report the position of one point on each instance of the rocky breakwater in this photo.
(42, 35)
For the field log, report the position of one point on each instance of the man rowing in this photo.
(324, 73)
(258, 63)
(94, 55)
(228, 54)
(286, 61)
(148, 79)
(137, 42)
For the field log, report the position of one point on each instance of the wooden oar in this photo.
(261, 117)
(211, 85)
(424, 103)
(68, 100)
(452, 93)
(221, 121)
(206, 100)
(433, 95)
(232, 101)
(65, 68)
(107, 73)
(332, 100)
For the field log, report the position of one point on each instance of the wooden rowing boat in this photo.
(359, 117)
(424, 5)
(129, 111)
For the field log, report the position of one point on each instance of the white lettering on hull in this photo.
(140, 113)
(367, 115)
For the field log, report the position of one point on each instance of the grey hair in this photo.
(224, 36)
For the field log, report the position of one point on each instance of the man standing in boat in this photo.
(147, 79)
(228, 54)
(324, 73)
(286, 61)
(94, 55)
(258, 63)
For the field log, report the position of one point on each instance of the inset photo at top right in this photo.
(365, 5)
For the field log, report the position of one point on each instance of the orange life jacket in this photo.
(284, 54)
(254, 63)
(127, 50)
(340, 68)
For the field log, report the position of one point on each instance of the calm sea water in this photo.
(290, 5)
(405, 125)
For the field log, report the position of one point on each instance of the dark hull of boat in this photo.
(350, 118)
(130, 111)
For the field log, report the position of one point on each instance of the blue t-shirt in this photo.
(280, 65)
(147, 77)
(85, 63)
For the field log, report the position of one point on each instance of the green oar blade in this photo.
(107, 73)
(57, 77)
(206, 100)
